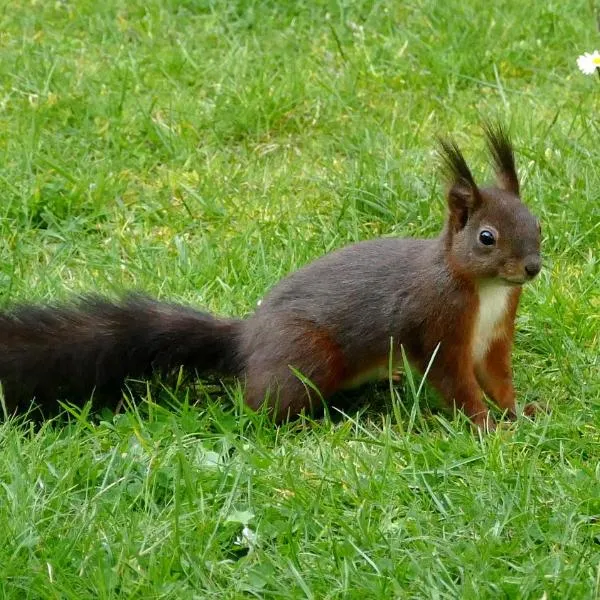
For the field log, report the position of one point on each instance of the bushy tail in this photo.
(72, 352)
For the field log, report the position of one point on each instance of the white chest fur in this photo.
(493, 304)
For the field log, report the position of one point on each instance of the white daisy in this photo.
(588, 63)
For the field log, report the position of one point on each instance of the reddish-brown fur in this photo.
(302, 347)
(452, 373)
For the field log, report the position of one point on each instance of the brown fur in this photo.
(300, 346)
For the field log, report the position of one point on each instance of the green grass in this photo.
(199, 150)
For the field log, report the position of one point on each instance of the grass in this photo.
(199, 150)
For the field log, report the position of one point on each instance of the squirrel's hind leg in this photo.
(294, 365)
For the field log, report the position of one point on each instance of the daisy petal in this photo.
(588, 63)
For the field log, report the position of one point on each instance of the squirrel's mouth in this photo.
(515, 281)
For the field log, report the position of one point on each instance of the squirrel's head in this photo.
(490, 235)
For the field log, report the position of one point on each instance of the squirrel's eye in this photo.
(487, 238)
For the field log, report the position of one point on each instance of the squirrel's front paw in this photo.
(484, 423)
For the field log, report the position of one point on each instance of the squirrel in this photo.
(450, 302)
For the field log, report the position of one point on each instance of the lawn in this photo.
(199, 150)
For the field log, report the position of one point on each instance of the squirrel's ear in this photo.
(462, 201)
(463, 194)
(503, 157)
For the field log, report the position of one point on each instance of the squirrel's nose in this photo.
(533, 266)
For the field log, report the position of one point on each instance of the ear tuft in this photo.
(503, 157)
(463, 193)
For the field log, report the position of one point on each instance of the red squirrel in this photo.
(334, 320)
